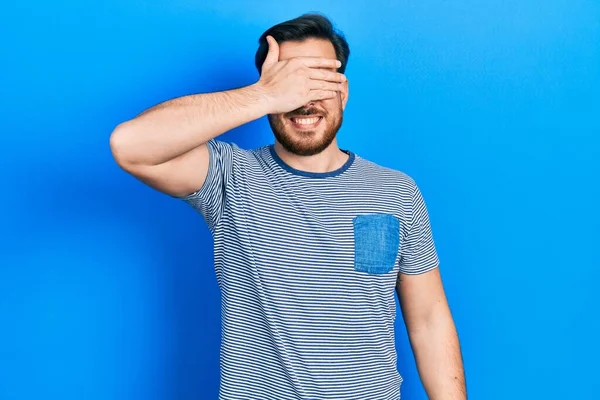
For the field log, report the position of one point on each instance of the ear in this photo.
(344, 95)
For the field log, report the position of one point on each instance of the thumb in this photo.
(273, 53)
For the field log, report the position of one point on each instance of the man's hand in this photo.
(289, 84)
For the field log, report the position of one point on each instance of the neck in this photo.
(330, 159)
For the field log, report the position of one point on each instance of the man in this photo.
(310, 240)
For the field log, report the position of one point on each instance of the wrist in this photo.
(260, 97)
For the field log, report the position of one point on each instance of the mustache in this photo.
(306, 111)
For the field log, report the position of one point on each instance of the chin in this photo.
(308, 144)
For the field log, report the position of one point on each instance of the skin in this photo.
(165, 147)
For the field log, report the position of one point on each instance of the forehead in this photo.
(307, 48)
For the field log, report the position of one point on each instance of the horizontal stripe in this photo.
(298, 320)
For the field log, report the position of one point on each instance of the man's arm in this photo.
(432, 335)
(165, 146)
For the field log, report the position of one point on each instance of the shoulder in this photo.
(384, 176)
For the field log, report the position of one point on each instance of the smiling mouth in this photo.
(306, 122)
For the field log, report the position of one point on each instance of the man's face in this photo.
(324, 117)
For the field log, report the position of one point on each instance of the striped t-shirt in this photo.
(307, 265)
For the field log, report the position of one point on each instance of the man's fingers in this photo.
(273, 53)
(328, 86)
(322, 94)
(320, 62)
(325, 75)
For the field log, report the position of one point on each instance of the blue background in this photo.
(107, 289)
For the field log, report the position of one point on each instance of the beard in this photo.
(306, 142)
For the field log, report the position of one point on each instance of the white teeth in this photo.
(305, 121)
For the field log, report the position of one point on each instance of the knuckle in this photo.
(302, 70)
(293, 65)
(308, 86)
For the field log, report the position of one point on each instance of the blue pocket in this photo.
(376, 242)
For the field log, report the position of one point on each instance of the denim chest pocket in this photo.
(376, 242)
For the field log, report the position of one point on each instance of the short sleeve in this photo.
(418, 252)
(209, 200)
